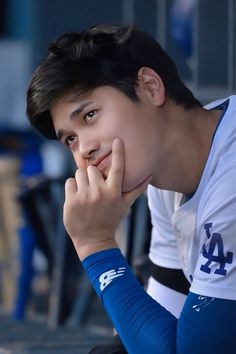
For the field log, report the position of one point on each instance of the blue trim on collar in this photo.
(223, 106)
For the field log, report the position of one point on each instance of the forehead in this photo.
(74, 98)
(71, 96)
(68, 101)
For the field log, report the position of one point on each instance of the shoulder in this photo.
(215, 271)
(218, 202)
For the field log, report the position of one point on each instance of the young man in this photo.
(113, 96)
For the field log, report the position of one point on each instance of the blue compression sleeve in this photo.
(144, 325)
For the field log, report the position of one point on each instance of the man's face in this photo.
(90, 124)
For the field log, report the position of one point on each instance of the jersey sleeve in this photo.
(163, 247)
(215, 271)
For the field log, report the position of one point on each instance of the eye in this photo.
(90, 115)
(70, 139)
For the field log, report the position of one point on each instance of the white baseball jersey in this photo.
(199, 236)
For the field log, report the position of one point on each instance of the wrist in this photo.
(86, 249)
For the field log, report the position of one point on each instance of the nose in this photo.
(88, 148)
(87, 151)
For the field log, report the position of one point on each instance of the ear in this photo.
(152, 84)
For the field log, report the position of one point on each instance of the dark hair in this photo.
(101, 56)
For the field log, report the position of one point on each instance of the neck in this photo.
(189, 136)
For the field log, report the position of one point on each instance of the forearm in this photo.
(143, 324)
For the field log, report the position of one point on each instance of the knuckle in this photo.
(69, 180)
(77, 173)
(80, 172)
(96, 195)
(83, 198)
(91, 168)
(113, 195)
(69, 183)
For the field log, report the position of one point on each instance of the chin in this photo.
(128, 186)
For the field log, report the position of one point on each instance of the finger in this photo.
(81, 178)
(131, 196)
(95, 177)
(115, 175)
(70, 187)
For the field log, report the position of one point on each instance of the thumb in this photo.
(131, 196)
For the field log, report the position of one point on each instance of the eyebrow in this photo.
(73, 115)
(80, 109)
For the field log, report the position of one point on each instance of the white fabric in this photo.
(172, 300)
(180, 233)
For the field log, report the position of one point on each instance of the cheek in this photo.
(138, 166)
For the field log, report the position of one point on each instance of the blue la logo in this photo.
(216, 244)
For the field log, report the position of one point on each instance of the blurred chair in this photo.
(9, 222)
(19, 159)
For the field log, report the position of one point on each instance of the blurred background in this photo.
(41, 279)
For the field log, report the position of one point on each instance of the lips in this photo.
(104, 164)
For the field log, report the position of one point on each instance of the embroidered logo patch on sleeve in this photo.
(215, 253)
